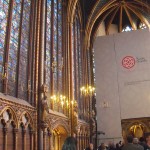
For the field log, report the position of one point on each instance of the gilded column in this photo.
(44, 140)
(7, 46)
(78, 141)
(5, 130)
(32, 135)
(24, 139)
(49, 140)
(87, 142)
(16, 138)
(70, 62)
(84, 140)
(41, 72)
(59, 138)
(36, 75)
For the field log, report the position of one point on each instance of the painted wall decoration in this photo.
(128, 62)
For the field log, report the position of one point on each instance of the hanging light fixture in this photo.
(87, 90)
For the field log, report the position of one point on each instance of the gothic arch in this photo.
(137, 127)
(13, 116)
(61, 123)
(71, 10)
(29, 120)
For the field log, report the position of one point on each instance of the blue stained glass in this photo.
(4, 5)
(55, 50)
(57, 47)
(24, 49)
(48, 44)
(14, 47)
(77, 60)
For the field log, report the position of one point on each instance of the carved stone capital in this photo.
(16, 131)
(5, 130)
(44, 88)
(44, 125)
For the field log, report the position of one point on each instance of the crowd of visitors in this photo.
(130, 144)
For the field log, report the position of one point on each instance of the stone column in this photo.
(5, 130)
(24, 139)
(16, 138)
(44, 140)
(41, 72)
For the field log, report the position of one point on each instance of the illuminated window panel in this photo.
(55, 50)
(127, 29)
(77, 61)
(48, 44)
(24, 50)
(13, 47)
(60, 60)
(142, 26)
(4, 6)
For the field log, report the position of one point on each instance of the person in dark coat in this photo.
(91, 147)
(147, 146)
(111, 146)
(69, 144)
(142, 141)
(102, 147)
(136, 142)
(129, 145)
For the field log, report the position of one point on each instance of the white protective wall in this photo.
(122, 80)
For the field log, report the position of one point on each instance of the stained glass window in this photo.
(14, 37)
(53, 53)
(77, 61)
(142, 26)
(18, 44)
(23, 61)
(127, 28)
(55, 39)
(4, 7)
(48, 43)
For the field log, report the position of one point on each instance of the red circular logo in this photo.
(128, 62)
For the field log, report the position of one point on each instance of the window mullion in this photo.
(52, 48)
(7, 44)
(19, 45)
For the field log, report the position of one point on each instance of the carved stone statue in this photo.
(75, 109)
(75, 116)
(45, 108)
(93, 122)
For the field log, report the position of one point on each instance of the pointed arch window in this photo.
(77, 60)
(15, 48)
(54, 51)
(4, 7)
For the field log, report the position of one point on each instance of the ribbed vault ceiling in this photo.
(120, 12)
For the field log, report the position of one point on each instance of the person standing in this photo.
(129, 145)
(147, 146)
(102, 147)
(136, 142)
(69, 144)
(91, 147)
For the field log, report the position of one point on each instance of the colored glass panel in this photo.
(48, 44)
(14, 47)
(24, 50)
(4, 7)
